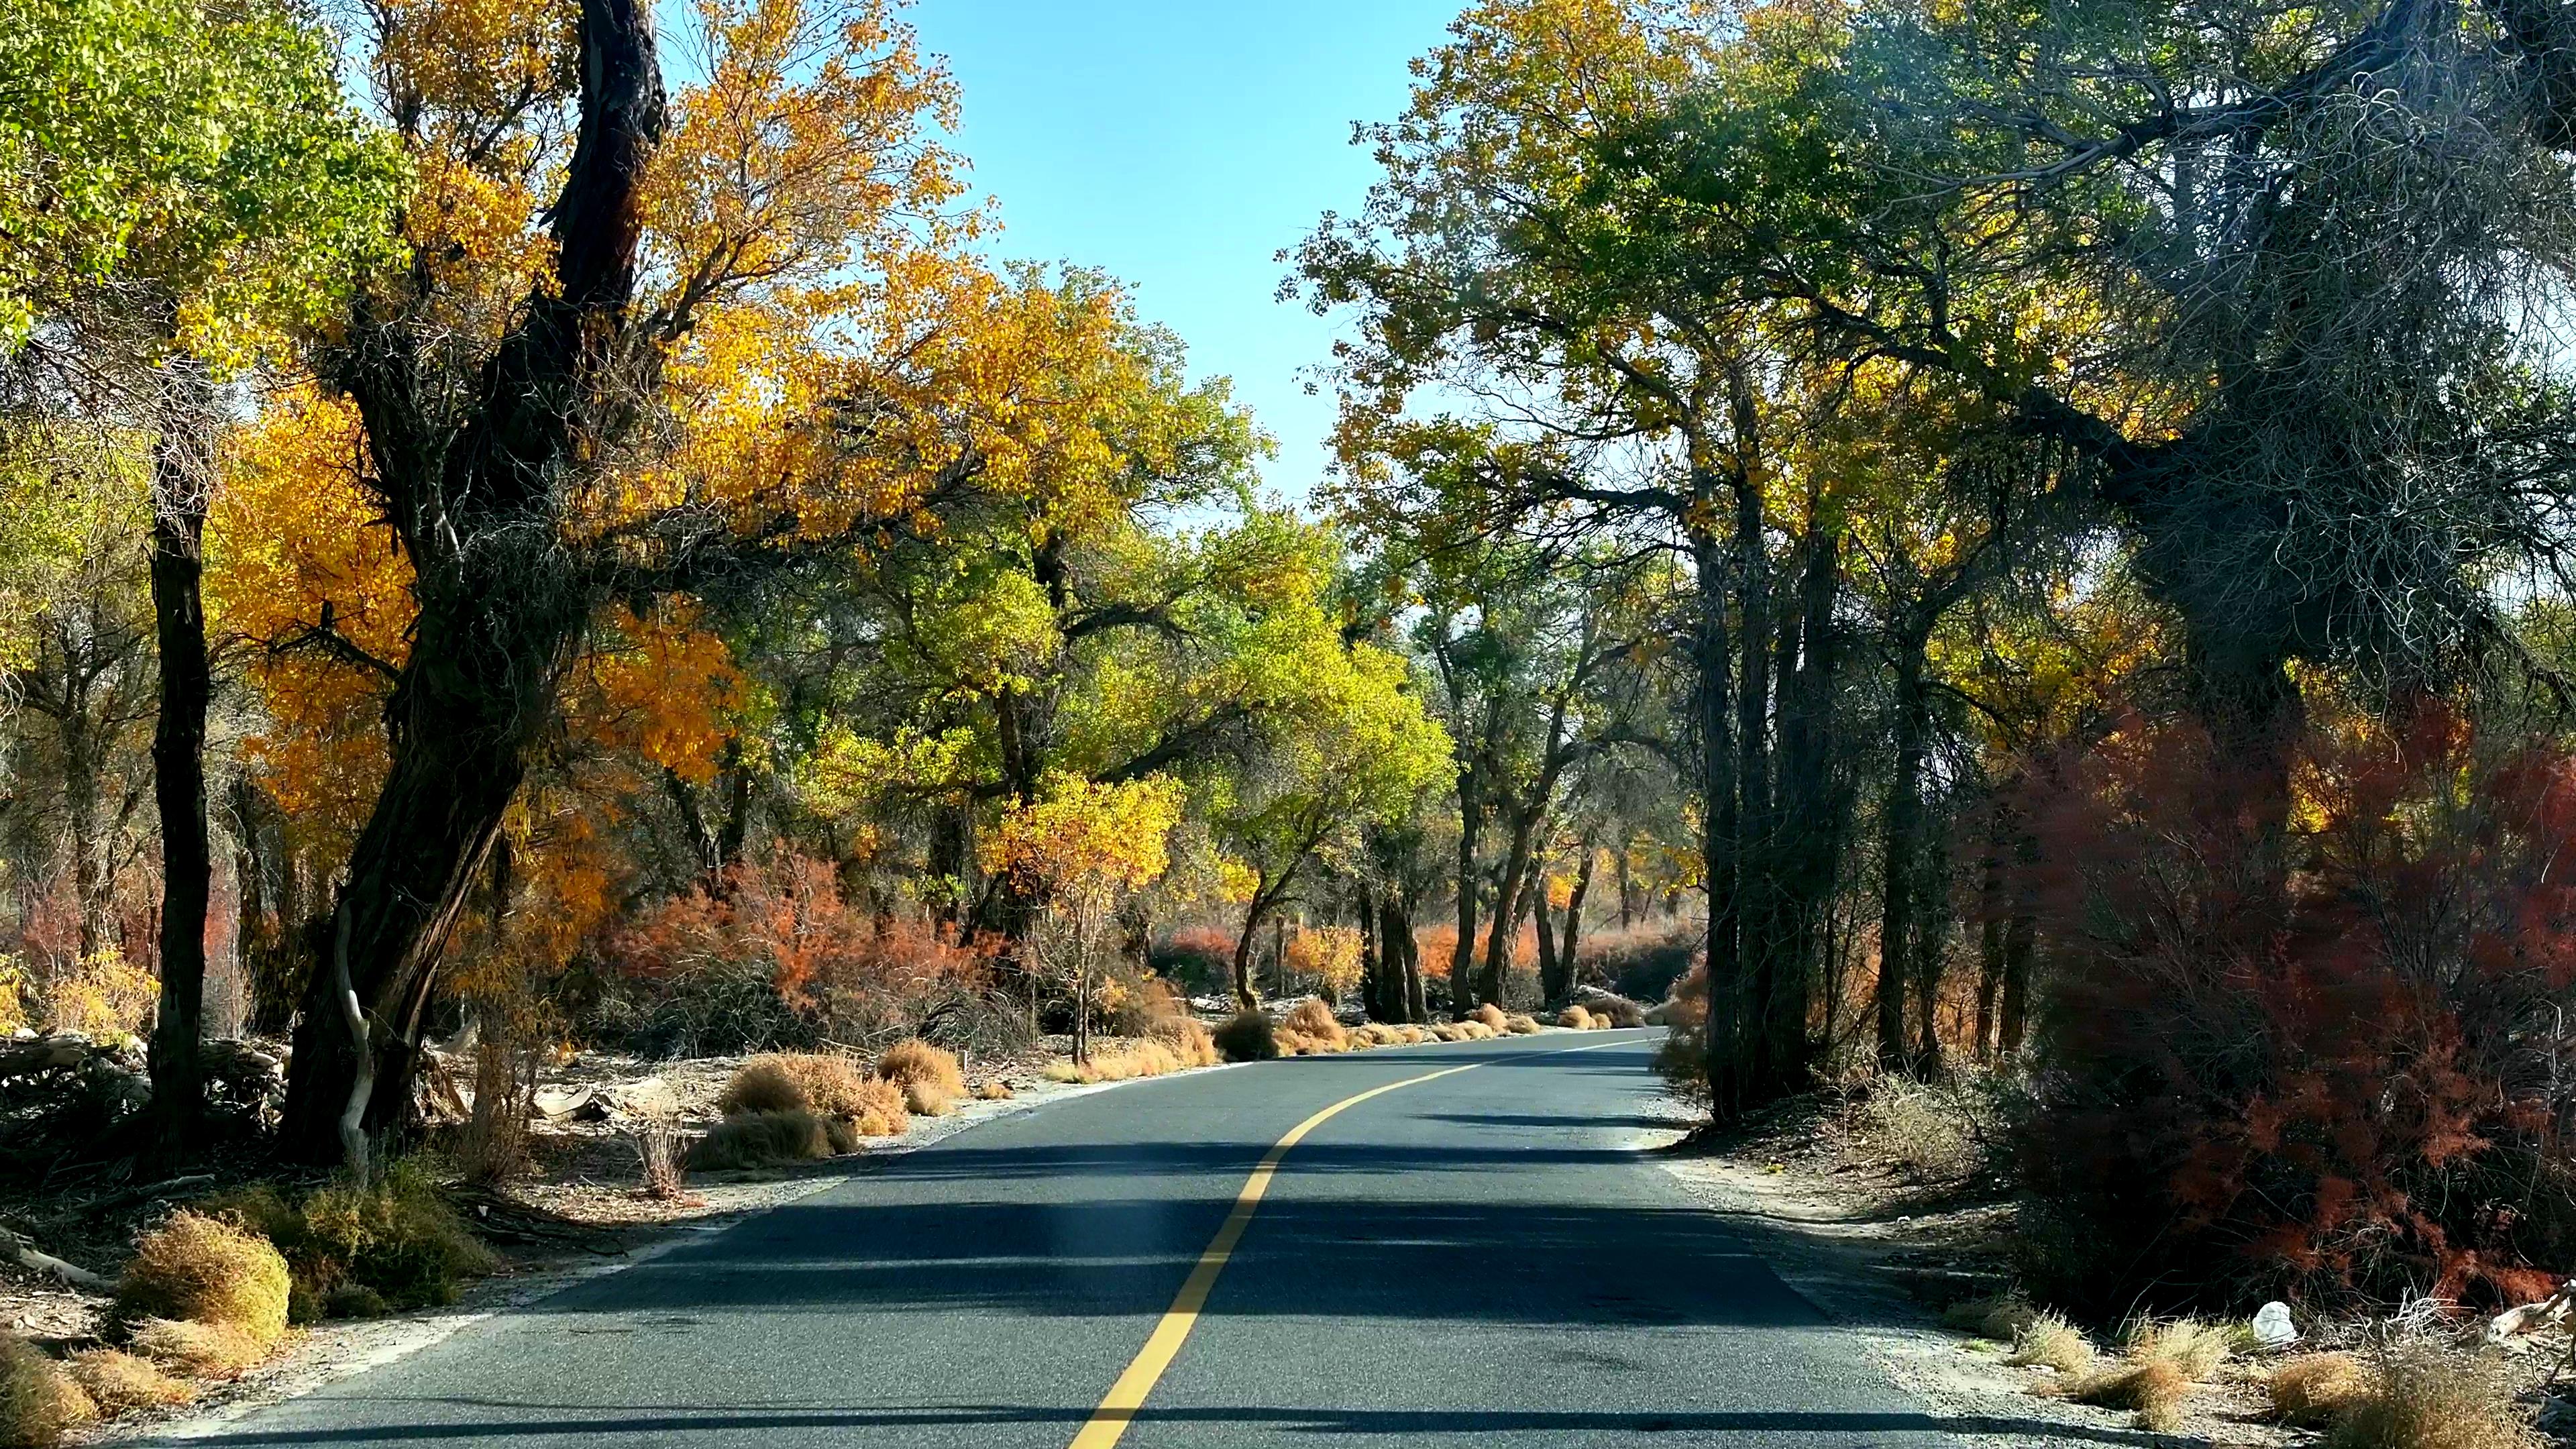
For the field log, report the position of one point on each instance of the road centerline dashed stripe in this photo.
(1109, 1422)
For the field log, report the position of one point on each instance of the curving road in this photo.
(1473, 1258)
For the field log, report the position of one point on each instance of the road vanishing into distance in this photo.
(1427, 1246)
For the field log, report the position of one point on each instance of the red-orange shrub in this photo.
(779, 959)
(2318, 1056)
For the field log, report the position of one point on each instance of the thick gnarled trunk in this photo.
(502, 601)
(182, 473)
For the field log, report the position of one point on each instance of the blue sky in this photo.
(1178, 145)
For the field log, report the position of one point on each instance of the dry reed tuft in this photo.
(1574, 1018)
(1614, 1012)
(1521, 1024)
(1248, 1036)
(1414, 1035)
(828, 1086)
(1492, 1016)
(1314, 1020)
(199, 1350)
(995, 1090)
(2317, 1390)
(1118, 1064)
(930, 1078)
(207, 1270)
(120, 1382)
(657, 1159)
(1187, 1039)
(2193, 1345)
(769, 1139)
(2049, 1341)
(39, 1402)
(1999, 1316)
(2151, 1388)
(2424, 1398)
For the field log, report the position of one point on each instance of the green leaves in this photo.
(197, 157)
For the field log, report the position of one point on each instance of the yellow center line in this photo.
(1118, 1410)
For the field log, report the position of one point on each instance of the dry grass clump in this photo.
(120, 1382)
(1492, 1016)
(995, 1090)
(1999, 1316)
(1575, 1018)
(2195, 1346)
(397, 1239)
(207, 1270)
(199, 1350)
(1310, 1029)
(2047, 1340)
(1611, 1013)
(1187, 1038)
(1118, 1064)
(2317, 1390)
(1247, 1036)
(827, 1086)
(661, 1175)
(1521, 1024)
(2423, 1398)
(930, 1078)
(39, 1402)
(2151, 1388)
(1928, 1129)
(1475, 1030)
(1414, 1035)
(769, 1139)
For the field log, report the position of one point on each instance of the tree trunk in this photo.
(1373, 974)
(1808, 814)
(1462, 956)
(1399, 929)
(1713, 664)
(501, 604)
(1901, 822)
(1770, 979)
(182, 476)
(1990, 929)
(1510, 896)
(1548, 969)
(1934, 915)
(1569, 963)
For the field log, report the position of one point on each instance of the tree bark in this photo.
(501, 604)
(1900, 823)
(182, 477)
(1713, 664)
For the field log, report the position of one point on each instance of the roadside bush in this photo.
(39, 1402)
(1999, 1316)
(1491, 1015)
(398, 1239)
(2047, 1340)
(929, 1077)
(1311, 1029)
(1131, 1003)
(2192, 1345)
(2296, 1059)
(207, 1270)
(749, 1140)
(2154, 1389)
(1119, 1063)
(1187, 1039)
(777, 959)
(1575, 1018)
(1201, 958)
(2318, 1390)
(1609, 1010)
(829, 1086)
(1643, 961)
(199, 1350)
(1939, 1132)
(121, 1383)
(2420, 1397)
(1247, 1036)
(1521, 1024)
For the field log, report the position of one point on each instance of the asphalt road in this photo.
(1469, 1260)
